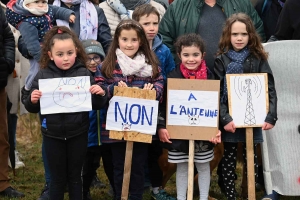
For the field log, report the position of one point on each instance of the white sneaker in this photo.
(19, 163)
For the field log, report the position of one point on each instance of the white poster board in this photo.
(65, 95)
(248, 98)
(193, 108)
(132, 114)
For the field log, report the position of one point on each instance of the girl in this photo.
(65, 134)
(129, 48)
(190, 50)
(240, 51)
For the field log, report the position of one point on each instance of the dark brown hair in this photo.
(145, 9)
(254, 43)
(60, 33)
(187, 40)
(109, 62)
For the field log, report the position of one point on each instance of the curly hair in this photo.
(60, 33)
(109, 62)
(187, 40)
(254, 43)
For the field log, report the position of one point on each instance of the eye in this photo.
(234, 34)
(70, 53)
(134, 39)
(245, 34)
(60, 54)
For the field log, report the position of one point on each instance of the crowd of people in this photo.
(137, 43)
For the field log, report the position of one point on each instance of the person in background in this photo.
(7, 59)
(96, 149)
(117, 10)
(205, 17)
(288, 25)
(269, 11)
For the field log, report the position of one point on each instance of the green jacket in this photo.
(183, 16)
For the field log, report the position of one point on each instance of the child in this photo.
(190, 50)
(129, 48)
(96, 149)
(148, 16)
(33, 18)
(240, 51)
(65, 134)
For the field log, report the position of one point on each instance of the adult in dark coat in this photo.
(288, 25)
(7, 60)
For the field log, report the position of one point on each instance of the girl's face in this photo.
(239, 36)
(129, 42)
(191, 57)
(63, 53)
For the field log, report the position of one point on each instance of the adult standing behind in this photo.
(205, 17)
(269, 11)
(90, 21)
(117, 10)
(7, 57)
(288, 25)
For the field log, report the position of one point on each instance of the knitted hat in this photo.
(93, 46)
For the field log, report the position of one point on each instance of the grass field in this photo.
(30, 179)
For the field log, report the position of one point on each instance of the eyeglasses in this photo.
(96, 59)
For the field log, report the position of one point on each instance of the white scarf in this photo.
(88, 18)
(136, 66)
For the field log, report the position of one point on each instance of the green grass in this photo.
(30, 180)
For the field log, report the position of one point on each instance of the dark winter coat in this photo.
(7, 50)
(64, 125)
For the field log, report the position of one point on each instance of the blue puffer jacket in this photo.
(164, 56)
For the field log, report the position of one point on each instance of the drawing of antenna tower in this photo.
(249, 114)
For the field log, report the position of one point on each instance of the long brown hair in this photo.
(254, 43)
(109, 62)
(60, 33)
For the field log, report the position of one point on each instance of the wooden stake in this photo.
(127, 170)
(250, 163)
(191, 170)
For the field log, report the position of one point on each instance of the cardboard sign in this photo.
(192, 108)
(248, 98)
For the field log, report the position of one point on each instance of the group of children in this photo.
(137, 58)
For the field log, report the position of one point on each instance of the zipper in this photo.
(98, 127)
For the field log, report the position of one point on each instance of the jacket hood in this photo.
(157, 42)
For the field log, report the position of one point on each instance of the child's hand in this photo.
(72, 18)
(216, 139)
(230, 127)
(122, 84)
(267, 126)
(96, 89)
(35, 96)
(164, 135)
(148, 86)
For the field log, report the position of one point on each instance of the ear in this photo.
(50, 55)
(179, 56)
(203, 55)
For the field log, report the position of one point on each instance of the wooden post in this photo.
(127, 170)
(191, 170)
(250, 163)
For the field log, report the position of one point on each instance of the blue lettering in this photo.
(182, 110)
(138, 115)
(196, 110)
(216, 113)
(206, 113)
(190, 111)
(144, 113)
(172, 112)
(192, 97)
(201, 112)
(124, 117)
